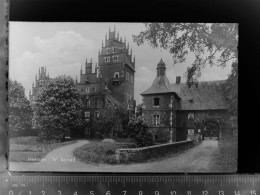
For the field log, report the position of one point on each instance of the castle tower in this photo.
(40, 79)
(116, 66)
(88, 67)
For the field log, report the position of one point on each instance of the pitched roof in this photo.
(160, 84)
(208, 95)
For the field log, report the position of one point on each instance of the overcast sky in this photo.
(64, 47)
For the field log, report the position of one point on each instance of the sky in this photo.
(62, 48)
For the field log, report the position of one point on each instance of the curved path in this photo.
(197, 159)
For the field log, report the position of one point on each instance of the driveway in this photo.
(197, 159)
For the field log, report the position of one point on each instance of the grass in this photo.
(228, 154)
(22, 148)
(100, 152)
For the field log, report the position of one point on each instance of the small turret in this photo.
(88, 67)
(81, 70)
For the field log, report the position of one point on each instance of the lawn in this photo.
(22, 148)
(228, 154)
(100, 152)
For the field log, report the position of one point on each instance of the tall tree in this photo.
(212, 44)
(20, 111)
(58, 108)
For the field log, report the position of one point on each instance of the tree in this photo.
(20, 111)
(109, 116)
(212, 44)
(139, 110)
(138, 129)
(58, 108)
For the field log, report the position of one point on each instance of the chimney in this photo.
(178, 80)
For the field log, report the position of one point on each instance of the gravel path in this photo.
(197, 159)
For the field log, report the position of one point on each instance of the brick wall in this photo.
(144, 153)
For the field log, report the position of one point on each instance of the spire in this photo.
(118, 35)
(131, 52)
(134, 59)
(102, 44)
(96, 68)
(127, 48)
(29, 92)
(81, 70)
(106, 36)
(76, 79)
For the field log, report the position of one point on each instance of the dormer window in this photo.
(156, 101)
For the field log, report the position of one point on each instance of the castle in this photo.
(111, 83)
(171, 110)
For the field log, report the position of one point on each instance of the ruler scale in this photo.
(60, 184)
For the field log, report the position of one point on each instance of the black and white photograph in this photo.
(123, 97)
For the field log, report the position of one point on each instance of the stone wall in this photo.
(127, 155)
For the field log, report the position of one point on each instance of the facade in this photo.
(173, 110)
(111, 82)
(39, 82)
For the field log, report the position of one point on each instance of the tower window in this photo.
(156, 120)
(156, 101)
(115, 58)
(114, 50)
(108, 50)
(107, 59)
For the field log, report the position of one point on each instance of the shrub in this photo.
(139, 132)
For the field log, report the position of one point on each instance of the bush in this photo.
(139, 132)
(100, 152)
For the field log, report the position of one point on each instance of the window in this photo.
(156, 120)
(97, 114)
(132, 79)
(108, 50)
(190, 131)
(127, 76)
(87, 90)
(87, 114)
(87, 130)
(107, 59)
(116, 75)
(114, 50)
(115, 58)
(93, 89)
(191, 115)
(87, 103)
(156, 101)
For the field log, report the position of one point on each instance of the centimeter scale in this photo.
(60, 184)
